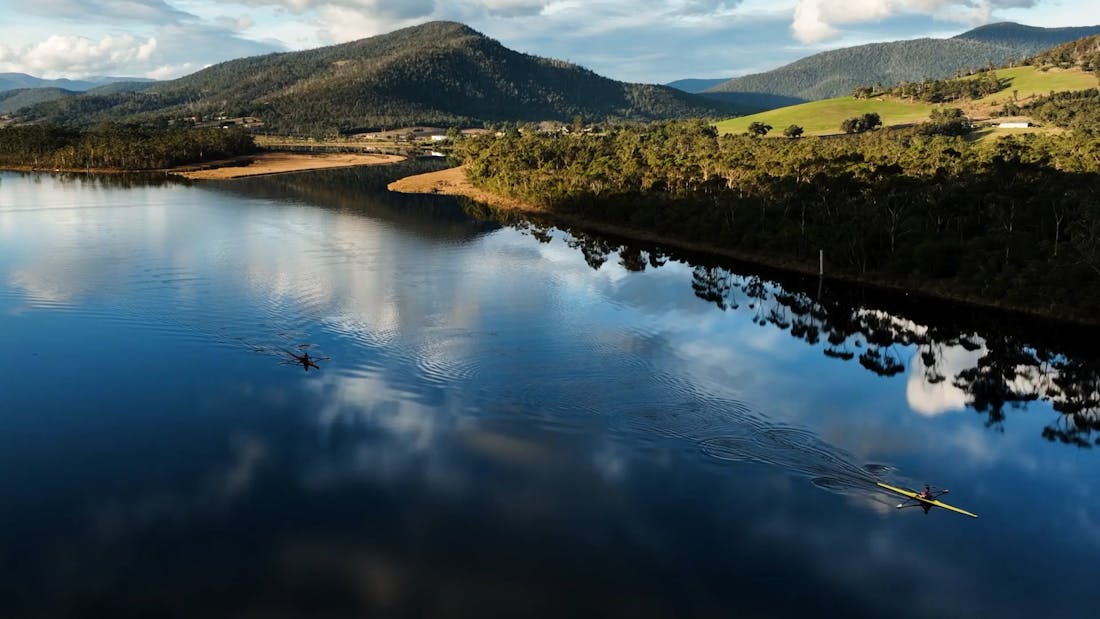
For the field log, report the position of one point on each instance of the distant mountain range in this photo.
(836, 73)
(14, 81)
(435, 73)
(19, 98)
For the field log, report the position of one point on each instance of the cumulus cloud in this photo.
(77, 56)
(176, 49)
(818, 20)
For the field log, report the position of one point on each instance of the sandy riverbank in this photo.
(281, 163)
(453, 182)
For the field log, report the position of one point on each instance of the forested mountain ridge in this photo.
(435, 73)
(836, 73)
(1028, 38)
(12, 100)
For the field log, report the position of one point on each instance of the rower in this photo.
(927, 493)
(305, 361)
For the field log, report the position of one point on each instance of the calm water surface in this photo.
(496, 426)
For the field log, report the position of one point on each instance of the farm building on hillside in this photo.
(1015, 125)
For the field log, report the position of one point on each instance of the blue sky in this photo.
(655, 41)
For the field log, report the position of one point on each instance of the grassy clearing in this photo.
(1029, 82)
(988, 134)
(824, 117)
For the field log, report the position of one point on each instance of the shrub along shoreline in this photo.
(1012, 224)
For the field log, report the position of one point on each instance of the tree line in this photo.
(117, 147)
(1012, 223)
(979, 85)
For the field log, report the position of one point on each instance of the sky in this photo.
(656, 41)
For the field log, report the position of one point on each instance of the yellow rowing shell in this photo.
(917, 496)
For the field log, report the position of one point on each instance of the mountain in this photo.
(12, 100)
(435, 73)
(13, 81)
(835, 73)
(1029, 39)
(696, 86)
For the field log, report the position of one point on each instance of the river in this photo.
(504, 418)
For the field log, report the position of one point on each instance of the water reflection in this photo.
(960, 356)
(496, 428)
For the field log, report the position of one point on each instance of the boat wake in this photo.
(733, 431)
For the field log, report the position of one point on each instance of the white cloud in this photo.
(174, 50)
(68, 55)
(931, 399)
(656, 41)
(818, 20)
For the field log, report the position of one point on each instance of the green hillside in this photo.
(825, 117)
(435, 73)
(835, 73)
(1027, 82)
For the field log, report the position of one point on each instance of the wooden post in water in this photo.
(821, 262)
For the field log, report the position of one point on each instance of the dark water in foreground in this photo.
(497, 427)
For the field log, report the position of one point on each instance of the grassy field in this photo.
(1029, 82)
(824, 117)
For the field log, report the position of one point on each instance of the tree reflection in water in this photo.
(1022, 359)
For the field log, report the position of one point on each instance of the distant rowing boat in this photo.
(916, 496)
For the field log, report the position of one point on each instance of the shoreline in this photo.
(260, 164)
(453, 182)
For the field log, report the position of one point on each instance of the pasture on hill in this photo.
(824, 117)
(1028, 82)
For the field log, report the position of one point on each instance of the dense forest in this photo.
(1030, 39)
(117, 147)
(440, 73)
(1012, 223)
(1078, 110)
(1084, 53)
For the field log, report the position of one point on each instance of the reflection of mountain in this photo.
(362, 191)
(957, 356)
